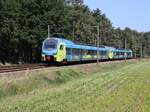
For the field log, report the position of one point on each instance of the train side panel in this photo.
(69, 51)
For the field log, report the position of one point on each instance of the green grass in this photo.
(123, 87)
(35, 81)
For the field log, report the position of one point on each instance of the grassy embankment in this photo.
(118, 87)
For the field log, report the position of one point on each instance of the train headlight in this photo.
(43, 55)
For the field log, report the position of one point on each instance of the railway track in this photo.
(14, 68)
(22, 67)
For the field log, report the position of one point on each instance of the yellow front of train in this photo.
(53, 50)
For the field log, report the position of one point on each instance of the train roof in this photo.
(70, 44)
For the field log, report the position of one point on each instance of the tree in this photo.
(105, 26)
(74, 2)
(23, 27)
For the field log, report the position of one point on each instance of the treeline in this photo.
(23, 27)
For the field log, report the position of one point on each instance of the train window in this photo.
(128, 54)
(76, 51)
(68, 51)
(61, 47)
(103, 53)
(94, 52)
(50, 44)
(117, 53)
(122, 53)
(84, 52)
(90, 52)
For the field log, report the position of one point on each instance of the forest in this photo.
(23, 27)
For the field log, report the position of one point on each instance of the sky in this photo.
(134, 14)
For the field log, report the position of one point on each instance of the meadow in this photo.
(111, 87)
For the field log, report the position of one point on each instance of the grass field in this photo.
(118, 87)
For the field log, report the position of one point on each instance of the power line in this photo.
(49, 31)
(98, 55)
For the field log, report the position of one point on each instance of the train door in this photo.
(61, 54)
(110, 54)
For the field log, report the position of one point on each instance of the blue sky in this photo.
(125, 13)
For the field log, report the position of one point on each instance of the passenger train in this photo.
(62, 51)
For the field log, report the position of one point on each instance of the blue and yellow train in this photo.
(61, 50)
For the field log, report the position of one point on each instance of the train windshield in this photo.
(50, 44)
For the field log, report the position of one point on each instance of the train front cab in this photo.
(49, 49)
(53, 51)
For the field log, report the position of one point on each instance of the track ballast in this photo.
(15, 68)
